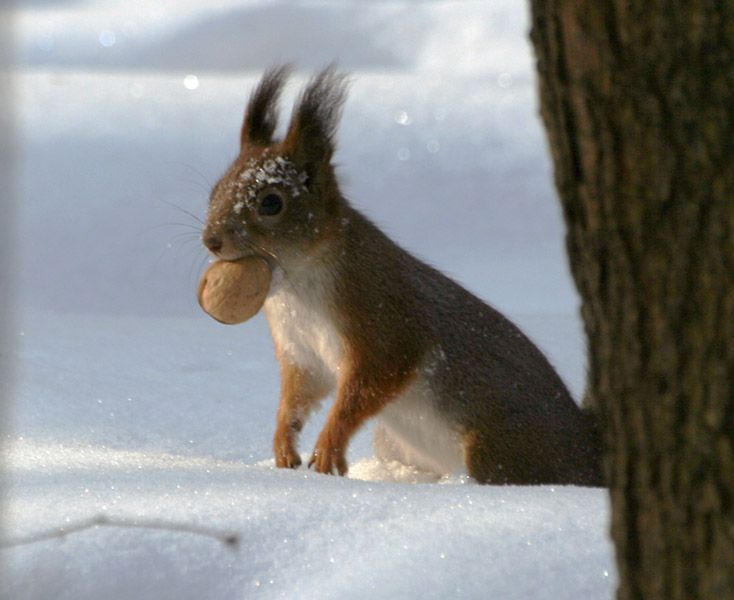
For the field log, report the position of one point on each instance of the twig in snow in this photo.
(231, 540)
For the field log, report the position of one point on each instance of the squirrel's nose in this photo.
(213, 242)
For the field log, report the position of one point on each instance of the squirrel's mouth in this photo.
(227, 255)
(243, 254)
(232, 248)
(229, 250)
(235, 256)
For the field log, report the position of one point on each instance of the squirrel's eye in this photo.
(270, 205)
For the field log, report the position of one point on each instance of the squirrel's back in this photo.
(483, 376)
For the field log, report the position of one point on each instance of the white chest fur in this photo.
(300, 325)
(410, 429)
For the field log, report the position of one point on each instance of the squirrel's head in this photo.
(280, 197)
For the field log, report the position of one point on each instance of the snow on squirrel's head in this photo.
(280, 197)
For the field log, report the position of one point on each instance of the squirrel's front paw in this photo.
(325, 460)
(288, 460)
(286, 456)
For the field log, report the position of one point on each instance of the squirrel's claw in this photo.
(327, 461)
(286, 456)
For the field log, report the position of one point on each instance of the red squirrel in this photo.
(451, 381)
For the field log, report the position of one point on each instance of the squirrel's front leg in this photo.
(300, 391)
(360, 395)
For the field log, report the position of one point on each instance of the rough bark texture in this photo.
(638, 101)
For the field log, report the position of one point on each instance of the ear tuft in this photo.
(261, 116)
(316, 116)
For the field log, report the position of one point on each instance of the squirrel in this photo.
(451, 382)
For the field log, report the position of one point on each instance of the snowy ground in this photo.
(132, 406)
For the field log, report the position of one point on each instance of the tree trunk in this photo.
(638, 101)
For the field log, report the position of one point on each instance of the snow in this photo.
(167, 421)
(257, 174)
(142, 428)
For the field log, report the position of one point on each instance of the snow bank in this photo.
(166, 424)
(301, 535)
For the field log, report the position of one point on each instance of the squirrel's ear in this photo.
(312, 131)
(261, 116)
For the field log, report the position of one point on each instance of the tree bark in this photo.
(637, 97)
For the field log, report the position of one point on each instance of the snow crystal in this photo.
(107, 38)
(258, 174)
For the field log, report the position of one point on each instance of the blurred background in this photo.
(129, 112)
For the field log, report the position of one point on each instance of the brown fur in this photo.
(353, 312)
